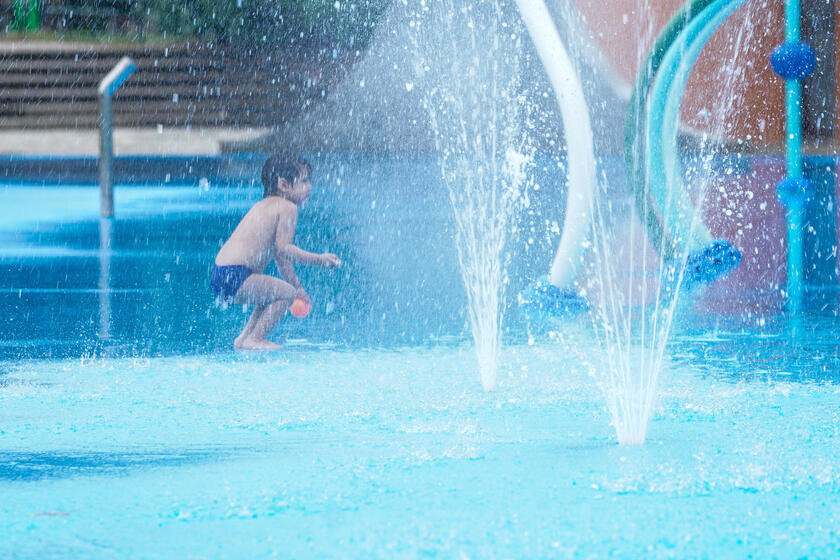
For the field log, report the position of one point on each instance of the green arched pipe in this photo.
(635, 125)
(662, 163)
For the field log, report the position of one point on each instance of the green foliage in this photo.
(253, 22)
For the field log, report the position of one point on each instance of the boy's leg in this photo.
(268, 319)
(272, 297)
(249, 326)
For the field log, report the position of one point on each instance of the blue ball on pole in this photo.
(793, 60)
(794, 190)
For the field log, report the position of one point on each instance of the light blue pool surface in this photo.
(130, 429)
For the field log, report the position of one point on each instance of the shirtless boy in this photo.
(267, 231)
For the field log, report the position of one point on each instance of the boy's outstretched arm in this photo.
(285, 250)
(295, 254)
(287, 271)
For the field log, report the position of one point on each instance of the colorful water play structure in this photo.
(703, 259)
(657, 105)
(651, 129)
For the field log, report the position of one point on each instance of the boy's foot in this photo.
(249, 344)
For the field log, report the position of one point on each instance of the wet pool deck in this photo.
(127, 141)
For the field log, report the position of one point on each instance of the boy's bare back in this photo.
(267, 231)
(269, 225)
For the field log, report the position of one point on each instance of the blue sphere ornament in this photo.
(794, 190)
(542, 300)
(711, 262)
(793, 61)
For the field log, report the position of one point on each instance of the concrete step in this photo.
(44, 84)
(128, 91)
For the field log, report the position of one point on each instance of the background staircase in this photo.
(54, 85)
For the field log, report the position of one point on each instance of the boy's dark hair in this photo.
(285, 165)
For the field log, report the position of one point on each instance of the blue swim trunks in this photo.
(225, 281)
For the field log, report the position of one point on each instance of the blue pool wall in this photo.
(388, 217)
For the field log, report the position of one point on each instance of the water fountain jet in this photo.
(479, 114)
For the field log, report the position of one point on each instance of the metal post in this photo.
(107, 87)
(105, 238)
(794, 60)
(106, 157)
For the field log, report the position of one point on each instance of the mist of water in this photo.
(479, 112)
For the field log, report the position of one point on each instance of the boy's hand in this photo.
(330, 261)
(301, 293)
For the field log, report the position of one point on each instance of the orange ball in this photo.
(300, 308)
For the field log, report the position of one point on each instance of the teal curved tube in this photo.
(673, 169)
(635, 122)
(662, 163)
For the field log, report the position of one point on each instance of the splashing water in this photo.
(629, 333)
(637, 293)
(478, 110)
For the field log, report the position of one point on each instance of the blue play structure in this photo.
(668, 68)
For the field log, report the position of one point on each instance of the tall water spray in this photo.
(479, 112)
(635, 285)
(624, 369)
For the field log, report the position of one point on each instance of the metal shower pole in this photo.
(107, 87)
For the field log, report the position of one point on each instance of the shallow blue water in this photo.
(383, 453)
(128, 429)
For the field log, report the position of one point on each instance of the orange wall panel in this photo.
(732, 92)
